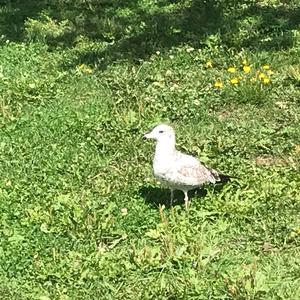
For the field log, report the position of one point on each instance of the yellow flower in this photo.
(266, 67)
(209, 64)
(270, 72)
(246, 69)
(245, 62)
(266, 80)
(295, 232)
(231, 69)
(85, 69)
(297, 149)
(218, 84)
(234, 80)
(88, 70)
(261, 76)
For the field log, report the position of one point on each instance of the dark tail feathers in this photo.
(223, 178)
(220, 178)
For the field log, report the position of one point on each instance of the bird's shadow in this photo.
(156, 196)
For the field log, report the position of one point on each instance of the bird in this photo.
(177, 170)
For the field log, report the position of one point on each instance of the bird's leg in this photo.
(186, 200)
(172, 197)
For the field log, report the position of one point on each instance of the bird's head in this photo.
(161, 133)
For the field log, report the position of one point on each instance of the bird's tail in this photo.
(219, 177)
(222, 178)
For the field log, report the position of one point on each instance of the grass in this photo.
(82, 216)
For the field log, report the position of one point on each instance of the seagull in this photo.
(177, 170)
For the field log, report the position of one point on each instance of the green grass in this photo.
(82, 216)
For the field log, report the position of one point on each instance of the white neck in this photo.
(164, 148)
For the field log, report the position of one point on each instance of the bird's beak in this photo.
(148, 135)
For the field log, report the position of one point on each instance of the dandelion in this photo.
(261, 76)
(266, 67)
(246, 69)
(266, 80)
(234, 81)
(209, 64)
(88, 70)
(218, 84)
(295, 232)
(231, 69)
(297, 149)
(85, 69)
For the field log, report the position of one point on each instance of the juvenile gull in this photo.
(177, 170)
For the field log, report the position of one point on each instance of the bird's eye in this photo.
(161, 131)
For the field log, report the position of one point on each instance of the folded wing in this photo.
(192, 172)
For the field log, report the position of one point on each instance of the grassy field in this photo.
(82, 216)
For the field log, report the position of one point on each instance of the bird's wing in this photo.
(192, 172)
